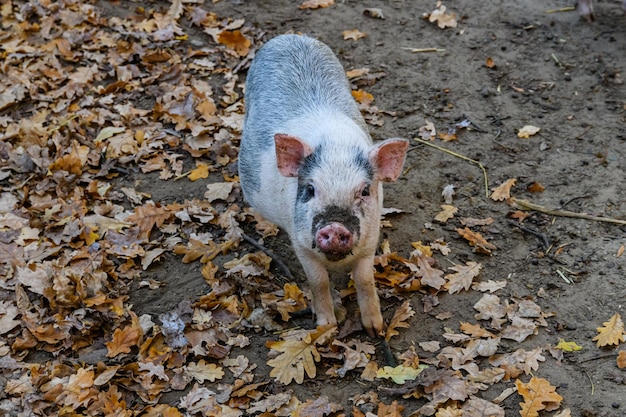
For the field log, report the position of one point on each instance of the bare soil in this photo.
(550, 70)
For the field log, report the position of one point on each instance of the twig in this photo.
(562, 9)
(541, 236)
(608, 355)
(422, 50)
(527, 205)
(271, 254)
(465, 158)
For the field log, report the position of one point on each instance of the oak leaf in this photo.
(8, 313)
(477, 407)
(297, 355)
(202, 371)
(503, 191)
(124, 339)
(402, 314)
(443, 19)
(314, 4)
(200, 172)
(353, 34)
(235, 40)
(612, 333)
(568, 346)
(476, 240)
(446, 214)
(490, 286)
(538, 395)
(621, 359)
(400, 374)
(428, 274)
(148, 216)
(319, 407)
(463, 278)
(528, 131)
(363, 97)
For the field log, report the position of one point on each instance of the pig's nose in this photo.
(334, 238)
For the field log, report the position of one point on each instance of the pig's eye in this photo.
(366, 191)
(310, 191)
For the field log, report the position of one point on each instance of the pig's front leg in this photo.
(317, 276)
(363, 275)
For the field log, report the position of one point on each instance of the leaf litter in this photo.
(71, 243)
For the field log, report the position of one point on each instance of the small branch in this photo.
(465, 158)
(422, 50)
(271, 254)
(527, 205)
(541, 236)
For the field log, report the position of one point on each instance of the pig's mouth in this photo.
(336, 256)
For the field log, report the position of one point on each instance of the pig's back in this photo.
(292, 76)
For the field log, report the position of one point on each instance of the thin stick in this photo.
(465, 158)
(527, 205)
(271, 254)
(422, 50)
(562, 9)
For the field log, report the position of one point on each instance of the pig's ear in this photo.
(388, 158)
(290, 151)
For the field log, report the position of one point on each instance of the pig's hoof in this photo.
(373, 324)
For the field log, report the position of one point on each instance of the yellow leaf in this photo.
(363, 97)
(447, 213)
(612, 333)
(201, 172)
(528, 131)
(568, 346)
(538, 395)
(503, 191)
(400, 374)
(425, 250)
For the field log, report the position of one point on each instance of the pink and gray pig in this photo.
(307, 163)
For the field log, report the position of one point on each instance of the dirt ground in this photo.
(551, 70)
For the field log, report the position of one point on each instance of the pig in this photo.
(585, 9)
(308, 164)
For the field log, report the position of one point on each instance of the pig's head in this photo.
(339, 196)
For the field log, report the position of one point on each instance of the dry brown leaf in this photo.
(612, 333)
(536, 187)
(463, 278)
(123, 340)
(203, 371)
(353, 34)
(519, 215)
(235, 40)
(475, 239)
(474, 330)
(363, 97)
(477, 407)
(621, 359)
(503, 191)
(296, 356)
(428, 274)
(538, 395)
(402, 314)
(443, 19)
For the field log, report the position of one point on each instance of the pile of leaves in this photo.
(87, 102)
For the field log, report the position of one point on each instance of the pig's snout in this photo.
(335, 241)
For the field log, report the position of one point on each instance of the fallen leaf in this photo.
(475, 239)
(314, 4)
(235, 40)
(503, 191)
(536, 187)
(203, 371)
(568, 346)
(612, 333)
(621, 359)
(538, 395)
(353, 34)
(528, 131)
(374, 12)
(463, 278)
(447, 213)
(399, 374)
(443, 19)
(402, 314)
